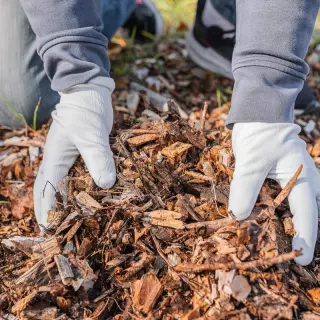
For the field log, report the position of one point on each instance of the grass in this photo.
(175, 12)
(14, 111)
(35, 114)
(20, 116)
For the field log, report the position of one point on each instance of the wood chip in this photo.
(47, 248)
(64, 268)
(70, 234)
(175, 151)
(143, 139)
(315, 295)
(165, 218)
(23, 303)
(146, 292)
(85, 200)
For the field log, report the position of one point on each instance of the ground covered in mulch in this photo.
(159, 244)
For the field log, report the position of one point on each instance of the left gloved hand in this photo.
(275, 151)
(81, 124)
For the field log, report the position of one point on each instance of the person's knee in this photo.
(22, 78)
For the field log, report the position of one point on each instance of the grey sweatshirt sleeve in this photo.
(69, 40)
(272, 39)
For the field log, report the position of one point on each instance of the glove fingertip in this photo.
(106, 181)
(241, 214)
(304, 260)
(244, 191)
(307, 251)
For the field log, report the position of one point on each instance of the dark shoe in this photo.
(145, 23)
(306, 102)
(211, 48)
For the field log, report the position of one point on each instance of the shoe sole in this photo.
(158, 17)
(208, 58)
(312, 108)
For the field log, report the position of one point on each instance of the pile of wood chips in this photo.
(159, 244)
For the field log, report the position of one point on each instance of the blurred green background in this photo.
(175, 12)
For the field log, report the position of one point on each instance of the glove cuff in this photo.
(92, 97)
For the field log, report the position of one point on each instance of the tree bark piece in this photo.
(69, 235)
(55, 218)
(21, 243)
(85, 200)
(85, 276)
(64, 268)
(49, 247)
(146, 292)
(69, 221)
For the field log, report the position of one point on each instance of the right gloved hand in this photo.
(275, 151)
(81, 124)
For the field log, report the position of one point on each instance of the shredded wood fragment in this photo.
(146, 291)
(23, 303)
(140, 140)
(264, 263)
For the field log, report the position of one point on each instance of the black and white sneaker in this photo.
(145, 21)
(212, 47)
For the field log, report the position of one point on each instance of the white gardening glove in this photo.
(81, 124)
(274, 150)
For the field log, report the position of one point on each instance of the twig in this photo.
(203, 116)
(261, 275)
(271, 293)
(144, 261)
(287, 189)
(108, 226)
(194, 268)
(128, 154)
(45, 263)
(214, 225)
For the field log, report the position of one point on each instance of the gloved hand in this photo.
(274, 150)
(81, 124)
